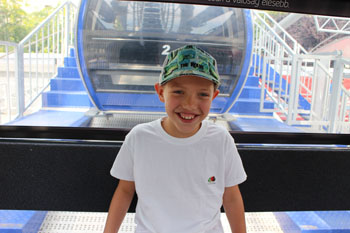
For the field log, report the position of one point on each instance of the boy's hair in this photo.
(189, 60)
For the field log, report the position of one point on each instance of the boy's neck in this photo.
(172, 131)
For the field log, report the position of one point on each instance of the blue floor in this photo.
(53, 118)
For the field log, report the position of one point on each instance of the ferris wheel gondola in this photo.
(121, 46)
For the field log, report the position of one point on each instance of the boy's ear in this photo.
(160, 91)
(216, 93)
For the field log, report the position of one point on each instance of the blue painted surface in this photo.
(317, 221)
(53, 118)
(251, 92)
(338, 221)
(252, 81)
(17, 221)
(314, 221)
(248, 106)
(248, 102)
(286, 224)
(73, 99)
(256, 63)
(67, 88)
(66, 84)
(80, 53)
(261, 124)
(70, 61)
(245, 67)
(68, 72)
(309, 222)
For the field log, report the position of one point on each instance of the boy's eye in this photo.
(203, 94)
(177, 92)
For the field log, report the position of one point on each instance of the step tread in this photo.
(66, 92)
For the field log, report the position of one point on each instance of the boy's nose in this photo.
(190, 102)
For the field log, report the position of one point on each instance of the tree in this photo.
(15, 23)
(12, 20)
(305, 32)
(37, 17)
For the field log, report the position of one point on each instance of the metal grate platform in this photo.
(121, 120)
(79, 222)
(128, 121)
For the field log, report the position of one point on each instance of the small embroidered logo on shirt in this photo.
(211, 180)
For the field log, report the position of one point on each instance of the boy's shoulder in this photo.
(216, 128)
(144, 128)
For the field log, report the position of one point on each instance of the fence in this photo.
(30, 64)
(8, 82)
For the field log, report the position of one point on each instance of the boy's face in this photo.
(187, 102)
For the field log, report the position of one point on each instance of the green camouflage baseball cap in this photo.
(189, 60)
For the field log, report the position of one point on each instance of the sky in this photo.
(37, 5)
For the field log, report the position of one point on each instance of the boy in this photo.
(182, 167)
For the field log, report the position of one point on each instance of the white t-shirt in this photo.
(179, 181)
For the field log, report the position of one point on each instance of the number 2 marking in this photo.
(166, 49)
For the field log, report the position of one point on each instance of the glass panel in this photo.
(281, 72)
(125, 43)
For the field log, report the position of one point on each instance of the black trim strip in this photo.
(113, 134)
(318, 7)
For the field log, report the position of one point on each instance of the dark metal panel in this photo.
(74, 176)
(115, 134)
(325, 7)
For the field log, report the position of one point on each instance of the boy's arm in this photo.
(119, 205)
(234, 208)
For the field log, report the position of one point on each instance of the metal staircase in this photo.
(66, 89)
(248, 103)
(306, 90)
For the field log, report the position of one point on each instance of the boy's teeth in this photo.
(187, 116)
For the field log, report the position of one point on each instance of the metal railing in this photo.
(8, 81)
(33, 62)
(273, 56)
(340, 102)
(305, 89)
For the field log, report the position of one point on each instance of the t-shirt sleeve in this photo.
(123, 165)
(234, 170)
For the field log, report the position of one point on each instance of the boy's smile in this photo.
(187, 103)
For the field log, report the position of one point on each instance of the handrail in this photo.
(48, 18)
(296, 45)
(7, 43)
(290, 50)
(346, 61)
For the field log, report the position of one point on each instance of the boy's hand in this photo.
(234, 208)
(119, 205)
